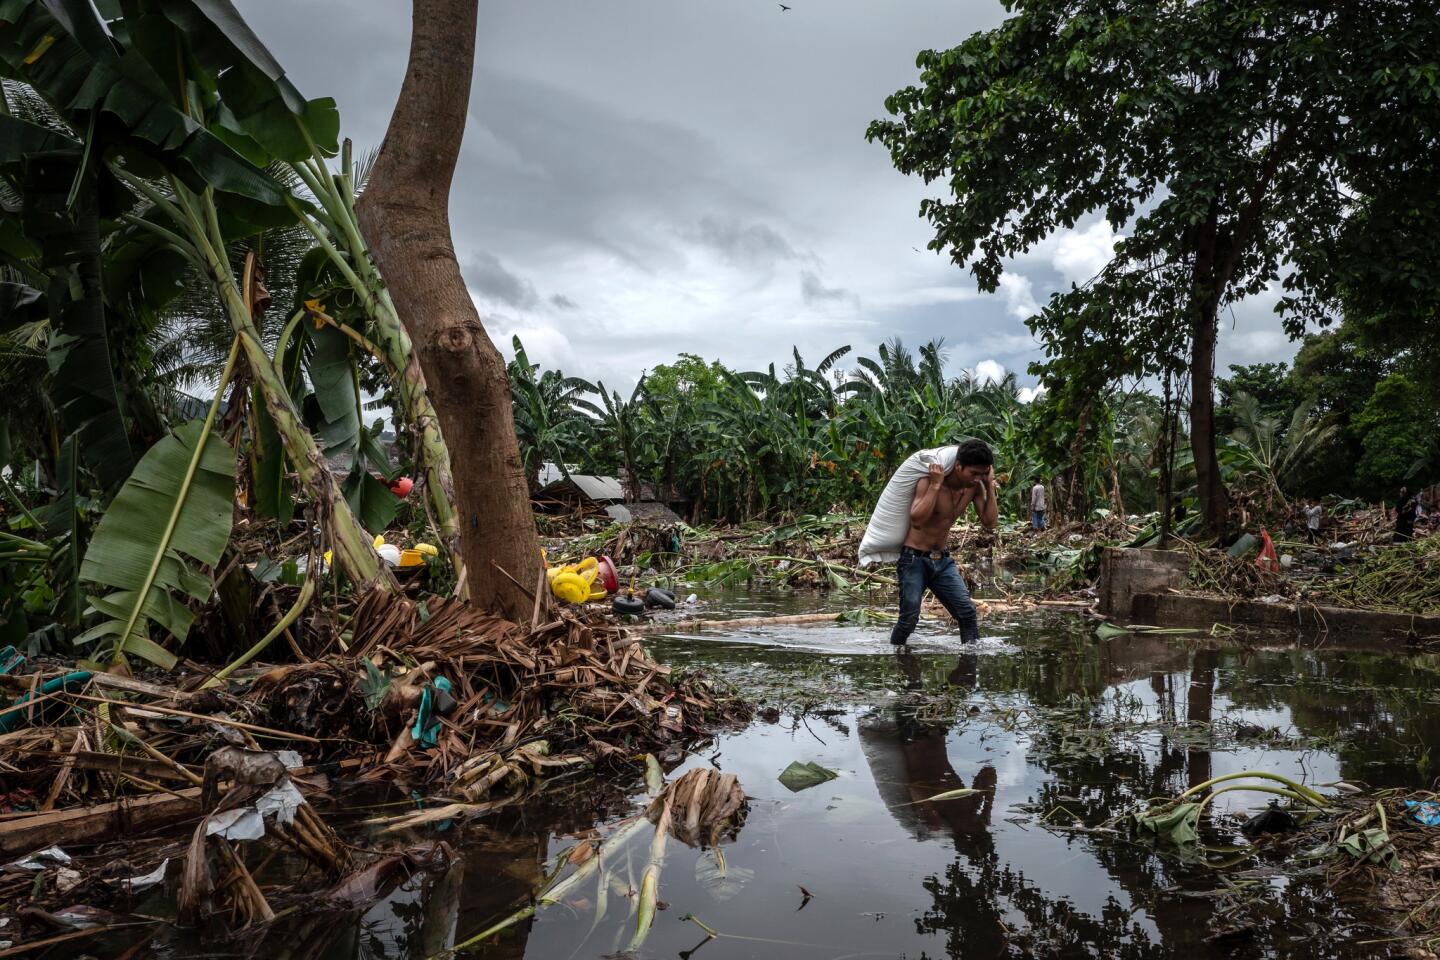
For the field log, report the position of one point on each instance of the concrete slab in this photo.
(1306, 621)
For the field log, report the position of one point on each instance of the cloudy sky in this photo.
(645, 177)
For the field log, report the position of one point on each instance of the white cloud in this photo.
(1028, 394)
(1080, 254)
(1019, 295)
(612, 221)
(989, 371)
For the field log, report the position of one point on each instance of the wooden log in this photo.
(100, 821)
(86, 825)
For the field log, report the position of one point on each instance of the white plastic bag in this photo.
(890, 522)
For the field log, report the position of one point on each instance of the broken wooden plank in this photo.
(100, 821)
(92, 824)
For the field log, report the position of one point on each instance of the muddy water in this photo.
(1057, 729)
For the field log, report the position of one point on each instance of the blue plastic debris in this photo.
(11, 660)
(14, 718)
(435, 699)
(1426, 811)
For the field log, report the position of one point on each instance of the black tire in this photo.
(628, 605)
(657, 597)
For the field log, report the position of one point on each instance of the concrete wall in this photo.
(1308, 621)
(1127, 572)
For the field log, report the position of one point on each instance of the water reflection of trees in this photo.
(977, 899)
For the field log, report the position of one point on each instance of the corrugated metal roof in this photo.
(593, 488)
(598, 488)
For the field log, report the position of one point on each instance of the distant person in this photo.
(939, 500)
(1037, 506)
(1313, 513)
(1405, 511)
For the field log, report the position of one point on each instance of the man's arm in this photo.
(926, 490)
(985, 506)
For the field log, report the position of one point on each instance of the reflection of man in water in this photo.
(909, 763)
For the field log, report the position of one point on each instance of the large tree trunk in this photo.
(1214, 500)
(404, 213)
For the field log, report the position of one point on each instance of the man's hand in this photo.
(982, 491)
(937, 473)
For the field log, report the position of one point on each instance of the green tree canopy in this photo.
(1230, 140)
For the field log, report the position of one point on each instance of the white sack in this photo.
(890, 522)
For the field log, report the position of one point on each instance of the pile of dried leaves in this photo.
(431, 694)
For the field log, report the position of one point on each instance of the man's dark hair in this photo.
(975, 453)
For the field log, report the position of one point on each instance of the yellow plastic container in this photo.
(411, 558)
(570, 587)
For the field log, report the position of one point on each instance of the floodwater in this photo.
(1056, 728)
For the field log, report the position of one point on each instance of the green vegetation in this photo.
(147, 195)
(1233, 145)
(776, 445)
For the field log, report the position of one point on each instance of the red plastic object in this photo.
(402, 487)
(1267, 559)
(609, 579)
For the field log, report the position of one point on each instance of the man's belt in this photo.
(929, 554)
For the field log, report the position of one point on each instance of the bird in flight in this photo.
(783, 8)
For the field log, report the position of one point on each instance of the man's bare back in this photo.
(940, 499)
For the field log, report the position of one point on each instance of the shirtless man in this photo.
(940, 499)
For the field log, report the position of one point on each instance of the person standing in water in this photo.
(1037, 506)
(925, 563)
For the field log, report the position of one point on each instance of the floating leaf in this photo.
(1177, 823)
(802, 776)
(1372, 845)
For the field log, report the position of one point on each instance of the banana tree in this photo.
(1259, 445)
(553, 420)
(194, 159)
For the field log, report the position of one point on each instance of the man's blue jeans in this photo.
(915, 572)
(1037, 519)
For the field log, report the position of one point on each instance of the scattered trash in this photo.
(435, 702)
(11, 660)
(1425, 811)
(248, 823)
(142, 881)
(802, 776)
(42, 859)
(1270, 820)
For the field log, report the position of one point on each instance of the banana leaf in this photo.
(135, 542)
(1177, 824)
(333, 410)
(62, 49)
(63, 196)
(19, 304)
(260, 100)
(370, 500)
(1373, 846)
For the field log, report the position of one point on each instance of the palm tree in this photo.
(553, 420)
(1277, 456)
